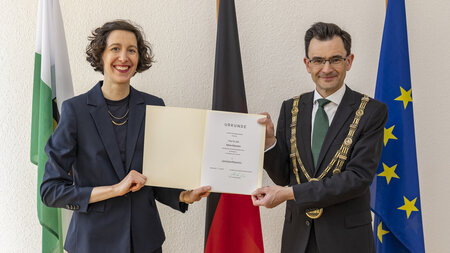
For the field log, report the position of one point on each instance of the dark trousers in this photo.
(156, 251)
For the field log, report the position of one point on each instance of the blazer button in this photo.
(307, 222)
(67, 206)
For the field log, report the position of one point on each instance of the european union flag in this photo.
(395, 189)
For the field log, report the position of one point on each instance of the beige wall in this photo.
(183, 36)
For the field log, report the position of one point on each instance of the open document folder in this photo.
(188, 148)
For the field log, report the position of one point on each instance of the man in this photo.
(325, 154)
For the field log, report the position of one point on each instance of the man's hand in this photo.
(192, 196)
(272, 196)
(270, 132)
(134, 181)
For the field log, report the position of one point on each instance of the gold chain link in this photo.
(340, 156)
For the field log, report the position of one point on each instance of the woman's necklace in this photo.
(119, 118)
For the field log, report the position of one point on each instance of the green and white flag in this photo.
(52, 85)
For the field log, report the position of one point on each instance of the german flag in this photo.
(232, 222)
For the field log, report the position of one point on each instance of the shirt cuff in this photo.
(271, 147)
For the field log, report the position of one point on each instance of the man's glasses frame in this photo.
(334, 61)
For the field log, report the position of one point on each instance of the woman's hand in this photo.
(192, 196)
(134, 181)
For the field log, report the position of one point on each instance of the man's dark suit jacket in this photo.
(345, 225)
(85, 142)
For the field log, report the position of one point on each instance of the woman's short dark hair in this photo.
(326, 31)
(98, 39)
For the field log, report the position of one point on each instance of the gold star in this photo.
(388, 135)
(405, 97)
(381, 232)
(389, 172)
(409, 206)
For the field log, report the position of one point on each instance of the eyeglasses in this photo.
(334, 61)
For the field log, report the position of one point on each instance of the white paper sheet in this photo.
(188, 148)
(231, 161)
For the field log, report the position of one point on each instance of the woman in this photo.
(95, 154)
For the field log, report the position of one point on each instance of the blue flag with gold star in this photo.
(395, 189)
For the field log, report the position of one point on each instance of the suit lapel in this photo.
(304, 129)
(135, 118)
(99, 113)
(343, 112)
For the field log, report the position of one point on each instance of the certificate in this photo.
(187, 148)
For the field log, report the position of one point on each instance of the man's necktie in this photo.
(320, 129)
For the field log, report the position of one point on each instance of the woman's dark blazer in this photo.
(83, 153)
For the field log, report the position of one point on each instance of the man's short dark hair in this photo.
(326, 31)
(98, 39)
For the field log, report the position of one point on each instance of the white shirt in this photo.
(330, 108)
